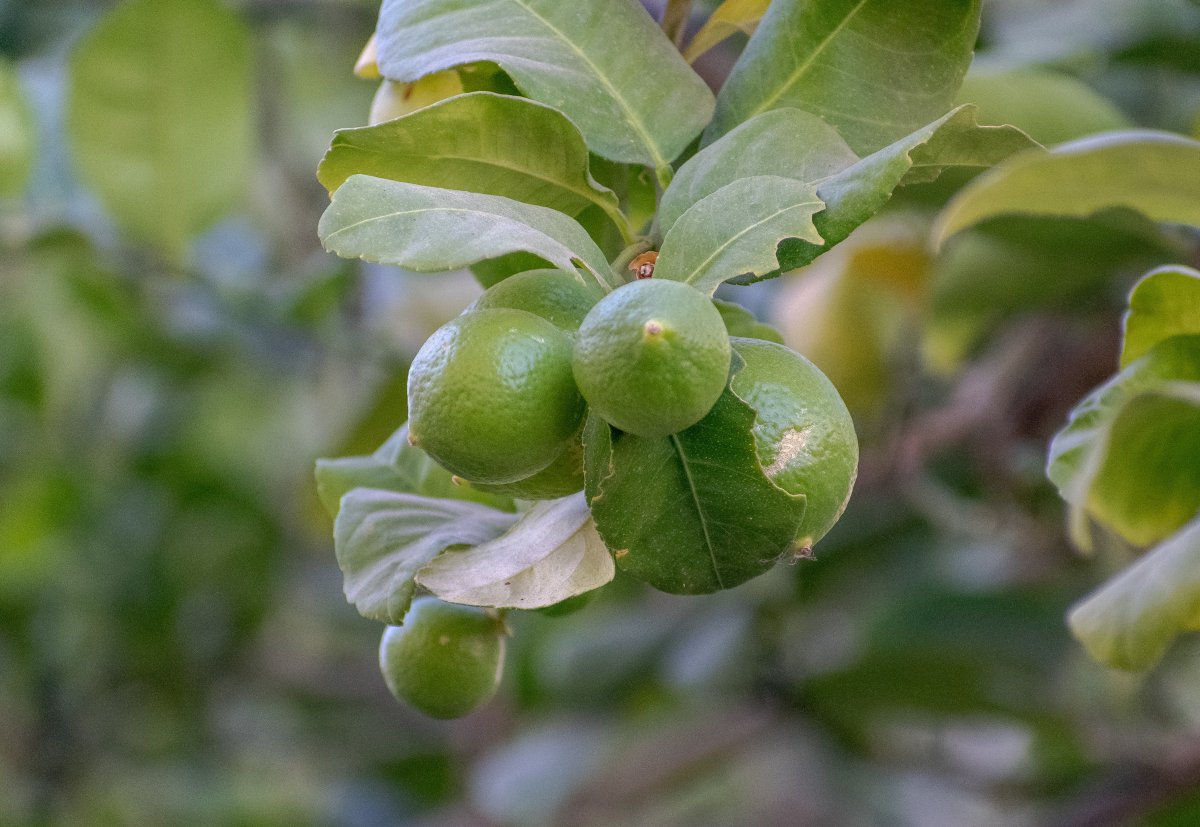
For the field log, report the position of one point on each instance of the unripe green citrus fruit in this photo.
(556, 295)
(561, 477)
(652, 357)
(803, 433)
(491, 395)
(446, 660)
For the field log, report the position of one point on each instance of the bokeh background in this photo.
(176, 350)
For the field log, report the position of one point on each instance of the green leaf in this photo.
(727, 19)
(741, 322)
(794, 144)
(1164, 303)
(1051, 107)
(873, 69)
(735, 231)
(1128, 454)
(588, 58)
(479, 142)
(1130, 621)
(690, 513)
(431, 229)
(395, 466)
(550, 554)
(160, 116)
(383, 538)
(858, 192)
(17, 133)
(784, 142)
(1155, 173)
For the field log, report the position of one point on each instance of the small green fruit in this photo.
(446, 660)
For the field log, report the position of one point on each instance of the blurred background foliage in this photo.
(175, 350)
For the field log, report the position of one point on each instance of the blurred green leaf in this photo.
(1130, 621)
(160, 116)
(1050, 107)
(1156, 173)
(735, 231)
(479, 142)
(432, 229)
(727, 19)
(587, 58)
(1128, 455)
(693, 512)
(1164, 303)
(17, 133)
(550, 554)
(383, 538)
(873, 69)
(741, 322)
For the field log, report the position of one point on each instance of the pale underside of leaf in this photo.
(550, 554)
(1155, 173)
(383, 538)
(1129, 622)
(589, 60)
(428, 229)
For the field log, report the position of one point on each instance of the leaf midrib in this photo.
(803, 68)
(708, 543)
(589, 194)
(631, 116)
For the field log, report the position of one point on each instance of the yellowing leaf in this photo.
(728, 19)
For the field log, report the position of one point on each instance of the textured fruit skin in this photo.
(803, 432)
(556, 295)
(446, 660)
(561, 477)
(652, 357)
(491, 396)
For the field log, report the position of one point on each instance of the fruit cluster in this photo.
(541, 378)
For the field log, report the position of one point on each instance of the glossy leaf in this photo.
(1155, 173)
(858, 192)
(690, 513)
(734, 231)
(430, 229)
(1164, 303)
(383, 538)
(160, 116)
(550, 554)
(727, 19)
(589, 59)
(478, 142)
(785, 142)
(17, 133)
(794, 144)
(1129, 622)
(875, 70)
(1126, 455)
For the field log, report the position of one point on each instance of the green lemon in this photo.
(491, 395)
(803, 433)
(555, 295)
(561, 477)
(446, 660)
(652, 357)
